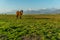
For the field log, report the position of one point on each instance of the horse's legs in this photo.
(20, 17)
(17, 16)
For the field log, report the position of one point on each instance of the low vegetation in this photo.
(30, 27)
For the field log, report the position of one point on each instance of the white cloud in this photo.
(30, 9)
(5, 10)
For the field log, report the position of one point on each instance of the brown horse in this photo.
(19, 14)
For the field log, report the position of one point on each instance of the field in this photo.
(30, 27)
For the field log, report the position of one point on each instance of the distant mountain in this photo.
(12, 12)
(40, 11)
(43, 11)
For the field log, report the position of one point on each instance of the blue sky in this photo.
(8, 5)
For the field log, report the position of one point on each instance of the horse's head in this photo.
(21, 11)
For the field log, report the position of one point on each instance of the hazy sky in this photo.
(8, 5)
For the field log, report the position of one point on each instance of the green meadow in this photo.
(30, 27)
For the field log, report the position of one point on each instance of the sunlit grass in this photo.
(43, 27)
